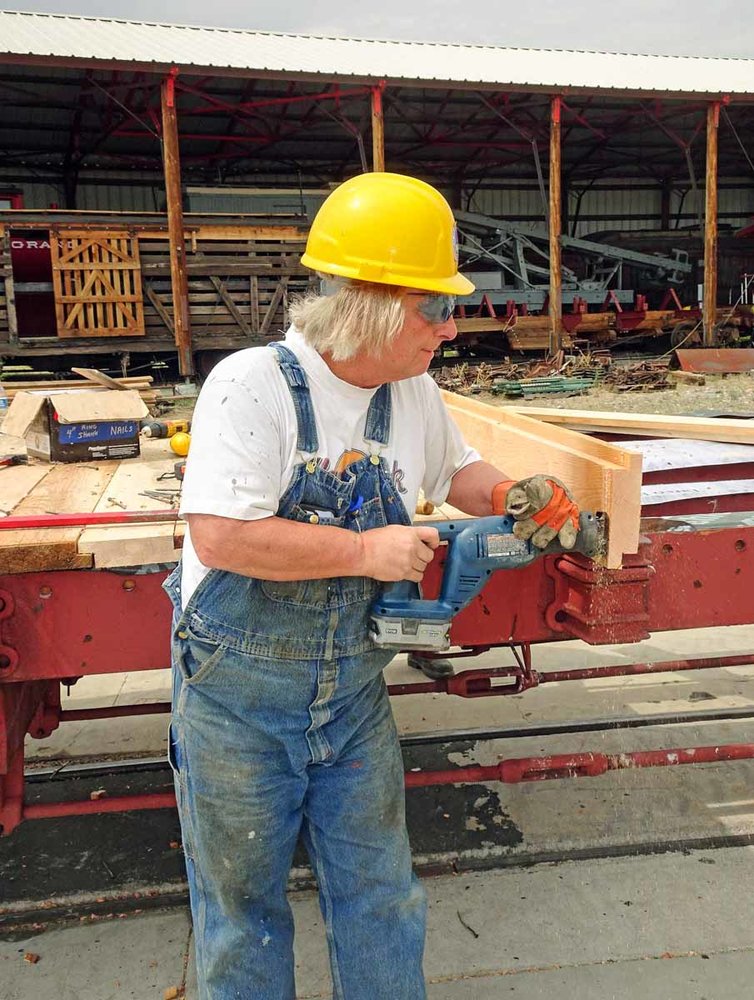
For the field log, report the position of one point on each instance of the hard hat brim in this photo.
(455, 284)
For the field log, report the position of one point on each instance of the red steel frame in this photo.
(58, 626)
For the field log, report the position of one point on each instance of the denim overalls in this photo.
(282, 727)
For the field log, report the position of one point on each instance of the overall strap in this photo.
(378, 416)
(295, 376)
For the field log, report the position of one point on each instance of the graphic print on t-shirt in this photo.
(351, 456)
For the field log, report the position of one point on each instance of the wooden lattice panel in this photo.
(97, 283)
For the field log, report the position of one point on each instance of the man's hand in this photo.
(398, 552)
(542, 508)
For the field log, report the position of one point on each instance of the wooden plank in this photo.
(16, 482)
(134, 544)
(254, 302)
(727, 429)
(277, 298)
(601, 476)
(159, 305)
(230, 305)
(10, 295)
(66, 489)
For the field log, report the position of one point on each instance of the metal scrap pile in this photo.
(644, 377)
(571, 375)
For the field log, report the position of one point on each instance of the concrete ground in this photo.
(669, 927)
(664, 926)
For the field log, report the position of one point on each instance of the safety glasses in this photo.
(435, 307)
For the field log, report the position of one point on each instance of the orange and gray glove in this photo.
(542, 508)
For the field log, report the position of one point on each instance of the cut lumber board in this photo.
(119, 545)
(726, 429)
(16, 482)
(66, 489)
(602, 477)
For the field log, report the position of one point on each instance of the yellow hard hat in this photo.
(390, 229)
(180, 443)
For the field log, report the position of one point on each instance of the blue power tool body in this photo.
(477, 547)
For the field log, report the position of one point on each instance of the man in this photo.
(305, 465)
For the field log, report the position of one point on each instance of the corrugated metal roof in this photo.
(134, 42)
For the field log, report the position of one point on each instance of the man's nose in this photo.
(447, 330)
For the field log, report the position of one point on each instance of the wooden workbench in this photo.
(78, 488)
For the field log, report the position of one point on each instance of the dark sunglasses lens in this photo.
(438, 308)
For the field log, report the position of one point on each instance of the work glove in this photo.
(542, 508)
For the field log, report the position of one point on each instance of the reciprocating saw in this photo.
(477, 547)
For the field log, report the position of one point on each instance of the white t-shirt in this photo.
(244, 432)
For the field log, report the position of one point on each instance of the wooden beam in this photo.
(724, 429)
(555, 223)
(160, 309)
(378, 130)
(10, 293)
(601, 476)
(230, 305)
(277, 298)
(709, 309)
(174, 198)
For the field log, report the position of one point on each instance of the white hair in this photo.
(359, 316)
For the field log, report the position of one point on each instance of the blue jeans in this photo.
(266, 749)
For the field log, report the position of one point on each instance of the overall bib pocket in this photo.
(196, 656)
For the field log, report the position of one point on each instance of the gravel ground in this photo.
(721, 395)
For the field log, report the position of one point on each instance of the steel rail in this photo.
(513, 770)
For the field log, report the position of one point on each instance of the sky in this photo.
(667, 27)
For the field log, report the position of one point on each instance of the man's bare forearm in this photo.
(275, 548)
(471, 488)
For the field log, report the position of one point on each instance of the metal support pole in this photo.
(665, 193)
(709, 310)
(378, 130)
(556, 288)
(172, 168)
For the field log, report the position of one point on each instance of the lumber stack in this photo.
(603, 477)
